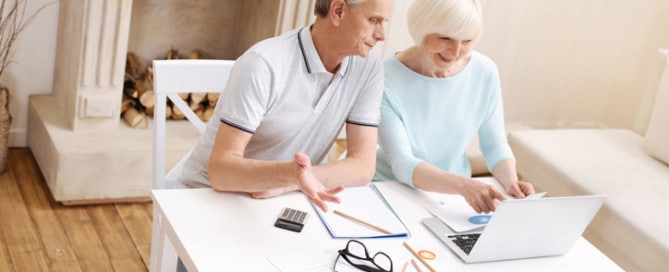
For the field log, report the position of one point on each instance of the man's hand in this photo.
(483, 198)
(311, 186)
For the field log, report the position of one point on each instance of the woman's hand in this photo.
(520, 189)
(483, 198)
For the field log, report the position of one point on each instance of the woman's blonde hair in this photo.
(457, 19)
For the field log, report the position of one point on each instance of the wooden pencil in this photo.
(352, 218)
(415, 264)
(419, 257)
(406, 265)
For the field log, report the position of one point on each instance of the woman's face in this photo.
(445, 51)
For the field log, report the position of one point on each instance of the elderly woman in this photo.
(439, 95)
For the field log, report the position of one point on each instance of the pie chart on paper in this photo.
(480, 219)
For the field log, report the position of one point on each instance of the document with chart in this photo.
(454, 210)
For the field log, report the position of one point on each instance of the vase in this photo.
(5, 123)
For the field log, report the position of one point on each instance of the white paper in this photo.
(311, 261)
(454, 210)
(307, 261)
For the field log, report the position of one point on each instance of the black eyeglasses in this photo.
(356, 254)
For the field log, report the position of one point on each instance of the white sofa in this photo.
(632, 228)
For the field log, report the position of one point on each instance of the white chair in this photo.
(171, 77)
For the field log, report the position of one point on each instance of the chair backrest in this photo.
(171, 77)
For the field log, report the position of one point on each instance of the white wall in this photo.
(397, 37)
(33, 69)
(562, 63)
(569, 63)
(577, 63)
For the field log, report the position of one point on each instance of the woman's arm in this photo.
(505, 172)
(425, 176)
(480, 196)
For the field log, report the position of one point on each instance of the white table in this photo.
(214, 231)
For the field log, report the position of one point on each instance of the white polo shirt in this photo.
(280, 92)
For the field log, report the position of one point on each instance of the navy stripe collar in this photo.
(311, 58)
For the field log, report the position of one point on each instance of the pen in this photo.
(419, 257)
(350, 217)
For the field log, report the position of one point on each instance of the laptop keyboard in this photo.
(465, 241)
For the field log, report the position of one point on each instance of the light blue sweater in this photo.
(435, 119)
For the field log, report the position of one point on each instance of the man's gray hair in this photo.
(322, 7)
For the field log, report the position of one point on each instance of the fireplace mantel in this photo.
(85, 152)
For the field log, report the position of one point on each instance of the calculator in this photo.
(291, 219)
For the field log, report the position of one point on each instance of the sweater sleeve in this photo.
(492, 134)
(395, 143)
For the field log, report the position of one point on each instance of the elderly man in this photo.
(287, 99)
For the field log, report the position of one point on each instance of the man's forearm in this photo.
(348, 172)
(247, 175)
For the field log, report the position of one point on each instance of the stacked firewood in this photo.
(139, 98)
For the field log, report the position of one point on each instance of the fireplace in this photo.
(85, 152)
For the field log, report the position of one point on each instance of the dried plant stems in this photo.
(13, 21)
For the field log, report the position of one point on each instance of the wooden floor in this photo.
(38, 234)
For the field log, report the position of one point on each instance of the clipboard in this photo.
(365, 203)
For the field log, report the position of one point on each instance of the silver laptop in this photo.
(523, 228)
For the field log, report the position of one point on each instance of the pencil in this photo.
(415, 264)
(419, 257)
(350, 217)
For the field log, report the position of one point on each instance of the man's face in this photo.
(364, 25)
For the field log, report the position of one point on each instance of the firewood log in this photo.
(198, 109)
(194, 54)
(149, 77)
(208, 112)
(148, 99)
(213, 98)
(195, 106)
(131, 92)
(177, 114)
(199, 112)
(172, 54)
(197, 98)
(134, 118)
(142, 86)
(133, 67)
(149, 112)
(168, 112)
(127, 103)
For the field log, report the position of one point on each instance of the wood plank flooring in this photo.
(39, 234)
